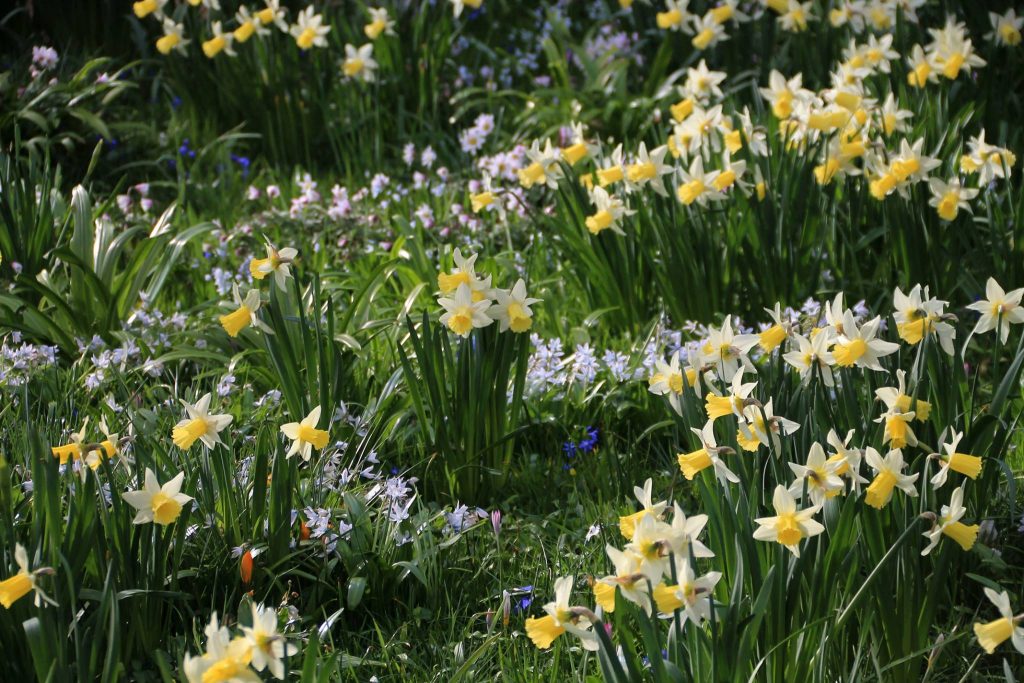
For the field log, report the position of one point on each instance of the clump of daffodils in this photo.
(241, 657)
(469, 301)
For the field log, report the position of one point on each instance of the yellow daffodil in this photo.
(789, 526)
(1008, 627)
(309, 30)
(276, 262)
(560, 619)
(23, 582)
(888, 477)
(305, 436)
(156, 503)
(199, 425)
(512, 308)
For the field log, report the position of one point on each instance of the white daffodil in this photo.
(998, 309)
(359, 63)
(156, 503)
(199, 425)
(463, 314)
(789, 526)
(948, 523)
(276, 262)
(888, 477)
(511, 309)
(819, 476)
(305, 436)
(692, 595)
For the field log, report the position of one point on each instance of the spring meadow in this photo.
(495, 340)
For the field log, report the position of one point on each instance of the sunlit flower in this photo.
(948, 523)
(610, 211)
(731, 404)
(668, 379)
(812, 357)
(1006, 28)
(860, 346)
(248, 25)
(276, 262)
(199, 425)
(949, 198)
(268, 646)
(309, 29)
(998, 309)
(1008, 627)
(380, 23)
(226, 659)
(796, 16)
(305, 436)
(692, 595)
(707, 32)
(760, 426)
(648, 169)
(245, 314)
(220, 42)
(888, 477)
(561, 618)
(846, 459)
(630, 577)
(156, 503)
(143, 8)
(173, 38)
(627, 523)
(23, 582)
(789, 526)
(897, 400)
(73, 449)
(690, 464)
(675, 16)
(697, 186)
(727, 351)
(918, 316)
(359, 63)
(819, 476)
(462, 313)
(683, 534)
(511, 309)
(950, 459)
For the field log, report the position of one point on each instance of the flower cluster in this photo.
(258, 647)
(469, 301)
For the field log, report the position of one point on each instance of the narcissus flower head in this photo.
(156, 503)
(789, 526)
(305, 436)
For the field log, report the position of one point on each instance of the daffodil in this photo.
(462, 313)
(273, 13)
(309, 30)
(199, 425)
(998, 309)
(650, 543)
(668, 379)
(380, 23)
(897, 400)
(783, 94)
(888, 477)
(949, 198)
(628, 577)
(487, 199)
(173, 38)
(143, 8)
(988, 161)
(73, 449)
(919, 316)
(953, 51)
(1006, 28)
(511, 309)
(948, 523)
(675, 16)
(694, 462)
(578, 148)
(683, 534)
(897, 431)
(648, 169)
(226, 659)
(819, 477)
(772, 337)
(692, 595)
(726, 350)
(543, 168)
(268, 646)
(627, 523)
(276, 262)
(107, 448)
(701, 85)
(813, 357)
(245, 313)
(760, 426)
(922, 68)
(796, 16)
(561, 618)
(860, 346)
(846, 459)
(248, 25)
(459, 5)
(305, 436)
(156, 503)
(964, 463)
(609, 212)
(731, 404)
(707, 32)
(359, 63)
(789, 526)
(15, 587)
(1008, 627)
(220, 42)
